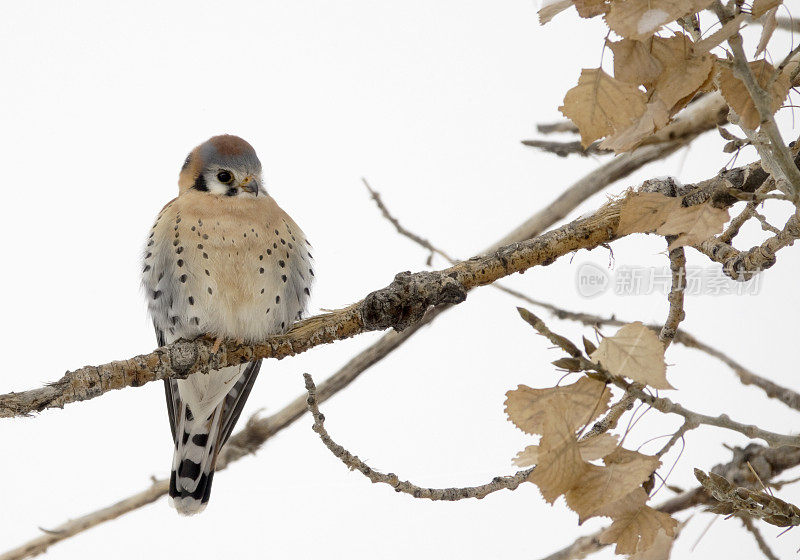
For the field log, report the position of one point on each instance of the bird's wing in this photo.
(233, 403)
(171, 390)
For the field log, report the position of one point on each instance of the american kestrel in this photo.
(223, 260)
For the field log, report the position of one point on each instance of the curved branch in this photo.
(511, 482)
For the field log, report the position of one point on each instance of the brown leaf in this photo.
(736, 95)
(639, 19)
(625, 471)
(633, 62)
(601, 105)
(660, 550)
(597, 447)
(683, 71)
(589, 449)
(656, 116)
(769, 23)
(552, 9)
(581, 402)
(645, 212)
(559, 466)
(591, 8)
(636, 528)
(761, 7)
(694, 224)
(636, 353)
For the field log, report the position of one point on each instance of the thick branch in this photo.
(399, 305)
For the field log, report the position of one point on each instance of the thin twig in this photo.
(747, 521)
(676, 314)
(40, 544)
(352, 462)
(560, 126)
(564, 149)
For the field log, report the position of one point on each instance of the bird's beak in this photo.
(249, 184)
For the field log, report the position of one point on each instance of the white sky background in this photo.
(429, 101)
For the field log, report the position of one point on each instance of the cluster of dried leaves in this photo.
(594, 473)
(664, 215)
(655, 77)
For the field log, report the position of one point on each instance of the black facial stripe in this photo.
(231, 191)
(200, 183)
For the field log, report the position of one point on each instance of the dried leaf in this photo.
(656, 116)
(582, 402)
(636, 353)
(694, 224)
(549, 10)
(636, 528)
(569, 364)
(625, 471)
(736, 95)
(559, 466)
(645, 212)
(589, 449)
(660, 550)
(601, 105)
(769, 23)
(761, 7)
(639, 19)
(633, 62)
(591, 8)
(588, 345)
(597, 447)
(683, 71)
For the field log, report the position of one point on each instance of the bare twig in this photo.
(564, 149)
(355, 464)
(787, 24)
(747, 521)
(560, 126)
(668, 406)
(676, 314)
(72, 527)
(610, 420)
(679, 433)
(402, 230)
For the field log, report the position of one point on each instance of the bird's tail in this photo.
(197, 444)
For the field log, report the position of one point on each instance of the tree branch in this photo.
(354, 463)
(399, 305)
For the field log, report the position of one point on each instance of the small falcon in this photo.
(222, 260)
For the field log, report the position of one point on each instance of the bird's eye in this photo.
(225, 177)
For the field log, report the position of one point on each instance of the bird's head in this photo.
(223, 165)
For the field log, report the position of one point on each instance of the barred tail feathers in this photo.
(194, 460)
